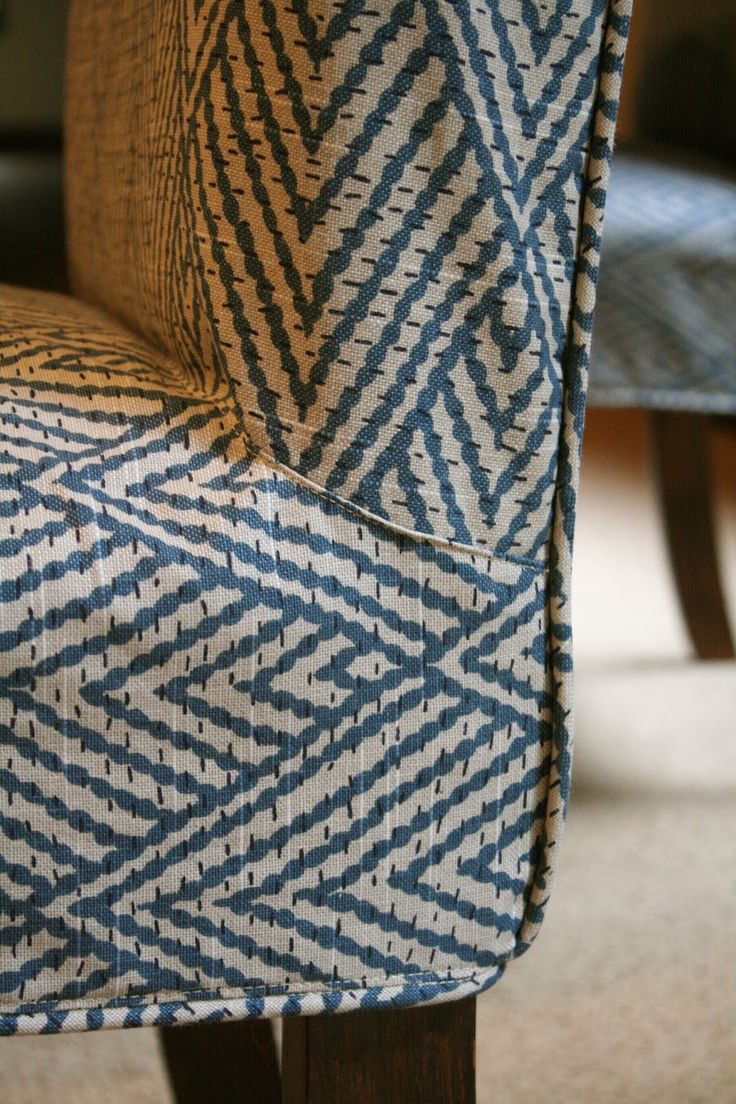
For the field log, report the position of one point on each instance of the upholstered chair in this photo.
(288, 495)
(665, 337)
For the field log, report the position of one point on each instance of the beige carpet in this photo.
(629, 995)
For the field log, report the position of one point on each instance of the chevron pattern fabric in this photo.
(666, 326)
(287, 505)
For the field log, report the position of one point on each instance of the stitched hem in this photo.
(575, 380)
(411, 991)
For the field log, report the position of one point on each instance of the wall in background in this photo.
(680, 83)
(31, 66)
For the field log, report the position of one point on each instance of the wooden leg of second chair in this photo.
(680, 444)
(222, 1063)
(404, 1056)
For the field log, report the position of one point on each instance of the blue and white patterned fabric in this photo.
(665, 334)
(287, 502)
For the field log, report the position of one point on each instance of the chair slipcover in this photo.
(665, 333)
(287, 505)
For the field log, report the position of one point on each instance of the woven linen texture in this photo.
(287, 506)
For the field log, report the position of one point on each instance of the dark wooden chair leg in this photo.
(404, 1056)
(680, 446)
(222, 1063)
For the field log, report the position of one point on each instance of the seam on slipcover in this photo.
(375, 519)
(257, 452)
(575, 380)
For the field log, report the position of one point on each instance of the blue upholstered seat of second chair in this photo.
(665, 334)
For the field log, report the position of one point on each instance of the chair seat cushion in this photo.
(665, 332)
(261, 752)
